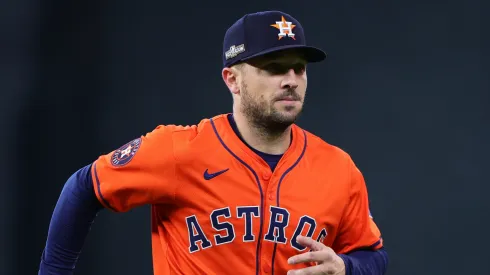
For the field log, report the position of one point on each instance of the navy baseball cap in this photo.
(264, 32)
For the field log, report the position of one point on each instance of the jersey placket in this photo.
(267, 247)
(276, 219)
(267, 230)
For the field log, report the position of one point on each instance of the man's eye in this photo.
(276, 69)
(282, 69)
(299, 68)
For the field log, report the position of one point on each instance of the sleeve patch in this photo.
(125, 153)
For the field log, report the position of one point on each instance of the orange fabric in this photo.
(242, 221)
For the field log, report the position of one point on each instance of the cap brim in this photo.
(311, 54)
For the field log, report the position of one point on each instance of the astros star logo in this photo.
(126, 151)
(285, 28)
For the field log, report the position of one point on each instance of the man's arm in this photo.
(359, 262)
(365, 262)
(359, 242)
(72, 218)
(140, 172)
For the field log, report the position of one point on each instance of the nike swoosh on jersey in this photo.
(208, 176)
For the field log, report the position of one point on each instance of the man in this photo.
(243, 193)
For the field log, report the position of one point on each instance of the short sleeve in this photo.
(140, 172)
(357, 227)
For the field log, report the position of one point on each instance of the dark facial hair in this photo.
(263, 116)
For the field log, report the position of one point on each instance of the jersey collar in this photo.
(232, 142)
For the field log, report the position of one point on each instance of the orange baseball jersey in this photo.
(217, 208)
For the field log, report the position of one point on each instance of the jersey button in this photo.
(267, 268)
(271, 196)
(266, 176)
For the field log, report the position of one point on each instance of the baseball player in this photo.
(249, 192)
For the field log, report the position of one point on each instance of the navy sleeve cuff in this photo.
(366, 262)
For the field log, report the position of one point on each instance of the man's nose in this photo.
(290, 80)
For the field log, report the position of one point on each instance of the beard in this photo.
(264, 116)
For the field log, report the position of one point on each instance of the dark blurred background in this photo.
(405, 91)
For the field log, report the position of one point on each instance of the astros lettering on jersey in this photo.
(218, 209)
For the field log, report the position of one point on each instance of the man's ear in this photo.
(230, 77)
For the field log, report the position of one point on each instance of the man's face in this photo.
(273, 89)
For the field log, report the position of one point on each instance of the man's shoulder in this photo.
(319, 146)
(191, 138)
(190, 130)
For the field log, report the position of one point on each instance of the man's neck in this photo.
(261, 140)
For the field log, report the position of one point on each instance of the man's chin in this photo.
(287, 117)
(289, 112)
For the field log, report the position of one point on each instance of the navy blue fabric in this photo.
(72, 218)
(366, 262)
(253, 35)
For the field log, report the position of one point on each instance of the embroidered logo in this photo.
(208, 176)
(234, 51)
(285, 28)
(125, 153)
